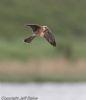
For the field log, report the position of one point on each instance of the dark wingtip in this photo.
(24, 40)
(53, 43)
(27, 25)
(30, 24)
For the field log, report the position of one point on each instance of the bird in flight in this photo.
(42, 31)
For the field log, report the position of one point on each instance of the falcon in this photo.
(42, 31)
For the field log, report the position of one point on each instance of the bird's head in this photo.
(45, 27)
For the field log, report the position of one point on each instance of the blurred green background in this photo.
(66, 19)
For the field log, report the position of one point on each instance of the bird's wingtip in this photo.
(53, 43)
(27, 25)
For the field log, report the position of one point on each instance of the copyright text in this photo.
(19, 98)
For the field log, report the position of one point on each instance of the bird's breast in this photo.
(41, 34)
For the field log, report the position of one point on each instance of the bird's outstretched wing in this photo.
(50, 38)
(34, 27)
(29, 39)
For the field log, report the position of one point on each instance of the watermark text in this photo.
(19, 98)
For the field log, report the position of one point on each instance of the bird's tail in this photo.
(29, 39)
